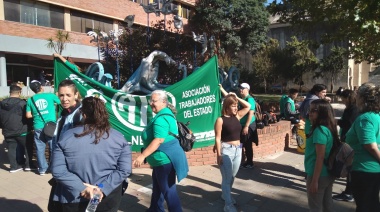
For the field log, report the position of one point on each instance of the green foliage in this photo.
(334, 64)
(301, 58)
(352, 21)
(264, 62)
(236, 24)
(58, 43)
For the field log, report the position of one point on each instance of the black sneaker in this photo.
(247, 166)
(343, 197)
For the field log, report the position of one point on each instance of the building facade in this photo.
(356, 74)
(25, 26)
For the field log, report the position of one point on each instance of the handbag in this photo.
(49, 127)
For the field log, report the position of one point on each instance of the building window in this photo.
(144, 2)
(85, 22)
(32, 12)
(185, 11)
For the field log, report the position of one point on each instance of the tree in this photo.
(352, 21)
(264, 63)
(58, 43)
(236, 24)
(301, 58)
(334, 64)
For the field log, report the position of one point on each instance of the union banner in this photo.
(196, 98)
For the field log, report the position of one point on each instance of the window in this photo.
(32, 12)
(185, 11)
(144, 2)
(84, 22)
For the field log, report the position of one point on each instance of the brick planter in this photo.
(273, 139)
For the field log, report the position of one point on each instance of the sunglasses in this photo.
(315, 110)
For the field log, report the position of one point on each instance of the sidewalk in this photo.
(275, 184)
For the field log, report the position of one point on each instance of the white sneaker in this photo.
(229, 208)
(15, 170)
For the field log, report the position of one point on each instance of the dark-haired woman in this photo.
(318, 146)
(349, 115)
(90, 155)
(364, 138)
(70, 116)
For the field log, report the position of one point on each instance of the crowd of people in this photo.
(85, 151)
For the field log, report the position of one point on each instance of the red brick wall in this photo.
(272, 140)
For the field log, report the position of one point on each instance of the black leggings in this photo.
(365, 188)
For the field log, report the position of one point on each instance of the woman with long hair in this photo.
(323, 135)
(345, 122)
(90, 155)
(163, 153)
(364, 138)
(227, 143)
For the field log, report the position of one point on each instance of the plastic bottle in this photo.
(94, 202)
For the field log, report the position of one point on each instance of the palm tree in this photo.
(58, 43)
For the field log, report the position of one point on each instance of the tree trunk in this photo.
(265, 85)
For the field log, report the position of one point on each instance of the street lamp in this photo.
(94, 35)
(114, 35)
(150, 8)
(130, 19)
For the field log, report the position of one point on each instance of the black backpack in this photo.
(339, 162)
(185, 136)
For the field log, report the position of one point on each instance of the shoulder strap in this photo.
(170, 133)
(34, 103)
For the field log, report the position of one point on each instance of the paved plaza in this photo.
(275, 184)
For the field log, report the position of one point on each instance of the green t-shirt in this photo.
(46, 104)
(282, 104)
(321, 135)
(364, 130)
(251, 101)
(292, 106)
(159, 127)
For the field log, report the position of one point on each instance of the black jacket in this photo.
(12, 117)
(348, 117)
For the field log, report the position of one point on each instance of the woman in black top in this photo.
(349, 115)
(227, 143)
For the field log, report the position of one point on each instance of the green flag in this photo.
(196, 98)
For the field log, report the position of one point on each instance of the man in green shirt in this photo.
(42, 108)
(249, 131)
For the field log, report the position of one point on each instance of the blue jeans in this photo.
(164, 187)
(231, 156)
(41, 139)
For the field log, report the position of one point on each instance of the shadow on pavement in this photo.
(14, 205)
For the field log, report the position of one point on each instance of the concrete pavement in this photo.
(275, 184)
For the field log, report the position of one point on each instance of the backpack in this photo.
(185, 136)
(259, 117)
(339, 162)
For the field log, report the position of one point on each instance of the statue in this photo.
(165, 8)
(230, 81)
(151, 8)
(144, 79)
(177, 22)
(201, 39)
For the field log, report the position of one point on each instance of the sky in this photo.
(270, 1)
